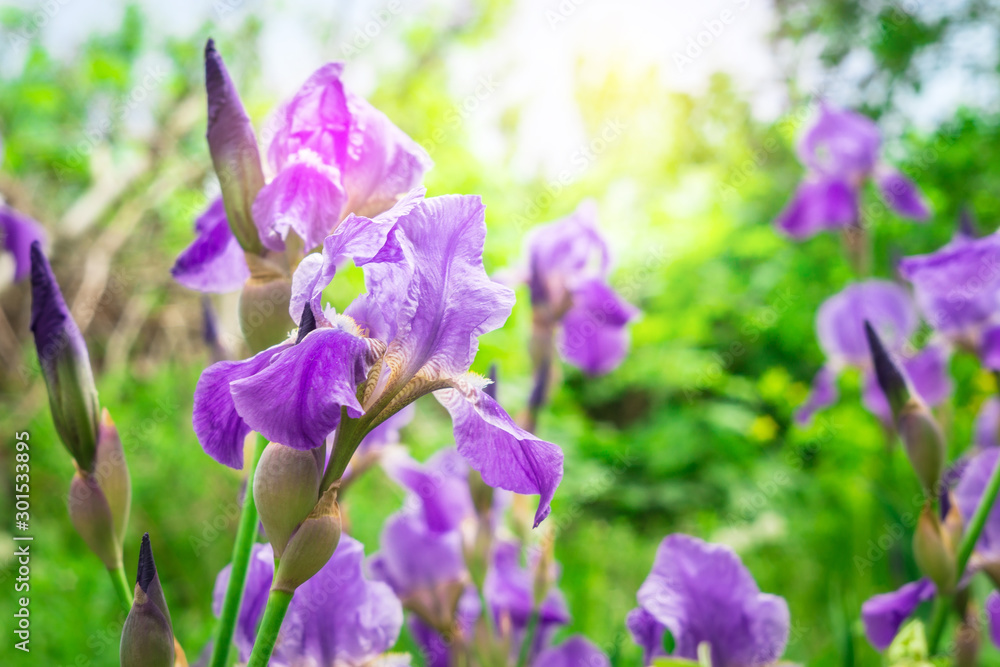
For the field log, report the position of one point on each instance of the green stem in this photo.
(270, 626)
(529, 637)
(965, 548)
(246, 535)
(120, 582)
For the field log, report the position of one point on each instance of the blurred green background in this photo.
(103, 142)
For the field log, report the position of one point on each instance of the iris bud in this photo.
(62, 355)
(312, 544)
(233, 145)
(285, 488)
(99, 500)
(933, 550)
(263, 306)
(147, 637)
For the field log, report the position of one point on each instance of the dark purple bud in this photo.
(286, 489)
(889, 377)
(233, 145)
(147, 637)
(65, 365)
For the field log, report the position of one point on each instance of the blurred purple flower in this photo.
(841, 152)
(568, 264)
(576, 651)
(18, 232)
(992, 607)
(414, 332)
(968, 494)
(214, 262)
(883, 615)
(840, 330)
(957, 287)
(703, 593)
(987, 425)
(338, 617)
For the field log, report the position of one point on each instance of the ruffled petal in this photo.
(902, 195)
(884, 614)
(214, 262)
(18, 233)
(506, 455)
(564, 255)
(822, 395)
(576, 651)
(593, 336)
(297, 399)
(305, 197)
(703, 593)
(219, 427)
(818, 205)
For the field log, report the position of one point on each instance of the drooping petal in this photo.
(441, 487)
(429, 279)
(18, 232)
(219, 427)
(840, 319)
(884, 614)
(987, 427)
(577, 651)
(647, 632)
(902, 195)
(958, 286)
(819, 204)
(412, 556)
(823, 394)
(841, 143)
(593, 335)
(378, 162)
(214, 262)
(969, 493)
(703, 593)
(297, 399)
(506, 455)
(305, 197)
(260, 572)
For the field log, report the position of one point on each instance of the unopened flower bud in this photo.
(311, 546)
(285, 488)
(924, 443)
(264, 303)
(147, 637)
(890, 378)
(934, 552)
(62, 355)
(233, 145)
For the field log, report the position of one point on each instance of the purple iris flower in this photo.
(508, 590)
(987, 426)
(840, 330)
(957, 289)
(332, 154)
(574, 652)
(338, 617)
(18, 232)
(414, 332)
(841, 152)
(883, 615)
(568, 264)
(703, 593)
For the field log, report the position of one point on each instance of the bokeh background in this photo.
(688, 150)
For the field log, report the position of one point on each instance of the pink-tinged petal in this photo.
(928, 372)
(841, 319)
(703, 593)
(219, 427)
(841, 143)
(378, 162)
(987, 426)
(593, 335)
(297, 399)
(429, 280)
(884, 614)
(233, 145)
(992, 607)
(819, 205)
(305, 197)
(576, 651)
(822, 395)
(902, 195)
(214, 262)
(506, 455)
(18, 232)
